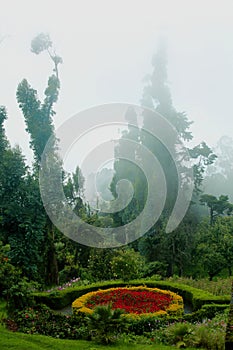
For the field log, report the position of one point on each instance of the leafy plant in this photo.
(177, 333)
(9, 274)
(106, 324)
(127, 264)
(42, 320)
(209, 334)
(20, 295)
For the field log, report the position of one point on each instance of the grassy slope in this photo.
(20, 341)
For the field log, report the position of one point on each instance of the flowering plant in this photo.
(135, 301)
(71, 283)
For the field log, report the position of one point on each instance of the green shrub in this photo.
(41, 320)
(177, 333)
(207, 338)
(130, 338)
(148, 324)
(99, 265)
(208, 334)
(20, 295)
(207, 311)
(127, 264)
(9, 274)
(105, 324)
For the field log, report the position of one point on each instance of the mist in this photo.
(116, 168)
(107, 50)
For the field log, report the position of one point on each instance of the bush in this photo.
(105, 324)
(147, 324)
(178, 333)
(20, 295)
(99, 265)
(130, 338)
(207, 338)
(208, 334)
(127, 264)
(104, 327)
(207, 311)
(9, 274)
(41, 320)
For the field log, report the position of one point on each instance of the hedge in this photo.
(204, 304)
(195, 297)
(207, 311)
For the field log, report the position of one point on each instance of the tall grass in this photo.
(219, 287)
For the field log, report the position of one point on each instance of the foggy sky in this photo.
(107, 48)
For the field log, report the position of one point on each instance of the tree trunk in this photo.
(229, 271)
(52, 266)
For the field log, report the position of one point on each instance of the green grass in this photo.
(19, 341)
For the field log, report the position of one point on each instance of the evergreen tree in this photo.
(38, 118)
(157, 97)
(21, 215)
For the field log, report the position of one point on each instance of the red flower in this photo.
(132, 301)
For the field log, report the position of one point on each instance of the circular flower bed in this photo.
(135, 301)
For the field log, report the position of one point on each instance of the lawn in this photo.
(12, 341)
(20, 341)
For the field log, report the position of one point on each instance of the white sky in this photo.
(107, 47)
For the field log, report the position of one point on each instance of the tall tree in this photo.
(157, 97)
(38, 115)
(125, 169)
(38, 118)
